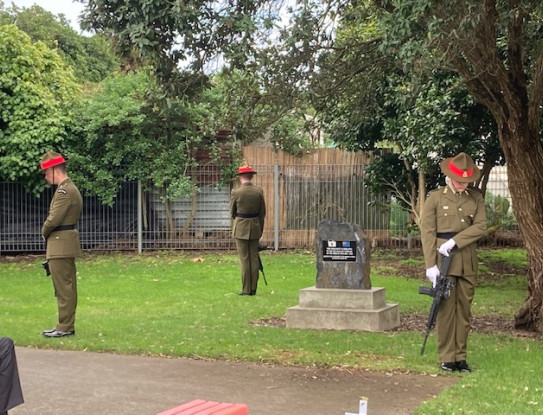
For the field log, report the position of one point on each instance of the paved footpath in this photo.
(83, 383)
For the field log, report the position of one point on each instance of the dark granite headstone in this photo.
(343, 256)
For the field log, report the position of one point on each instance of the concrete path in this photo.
(84, 383)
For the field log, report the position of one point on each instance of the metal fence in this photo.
(297, 198)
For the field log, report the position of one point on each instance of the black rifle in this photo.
(45, 265)
(260, 266)
(441, 291)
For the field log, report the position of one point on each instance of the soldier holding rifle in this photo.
(454, 217)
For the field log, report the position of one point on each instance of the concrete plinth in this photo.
(343, 309)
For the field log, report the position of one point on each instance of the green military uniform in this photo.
(248, 209)
(62, 248)
(460, 216)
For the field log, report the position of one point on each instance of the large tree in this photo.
(495, 46)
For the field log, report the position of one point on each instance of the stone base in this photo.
(343, 309)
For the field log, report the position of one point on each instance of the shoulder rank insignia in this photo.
(62, 191)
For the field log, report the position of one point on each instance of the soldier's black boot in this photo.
(448, 366)
(462, 366)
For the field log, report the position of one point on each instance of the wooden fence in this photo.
(302, 190)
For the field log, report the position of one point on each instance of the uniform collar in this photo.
(456, 192)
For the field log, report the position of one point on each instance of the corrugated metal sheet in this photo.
(497, 182)
(212, 210)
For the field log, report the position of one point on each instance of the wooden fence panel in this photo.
(323, 184)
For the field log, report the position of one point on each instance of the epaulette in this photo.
(64, 192)
(440, 189)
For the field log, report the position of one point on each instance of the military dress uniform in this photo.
(448, 214)
(248, 210)
(11, 394)
(63, 247)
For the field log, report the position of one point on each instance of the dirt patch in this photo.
(417, 322)
(393, 263)
(479, 324)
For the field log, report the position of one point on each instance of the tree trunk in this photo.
(524, 158)
(421, 197)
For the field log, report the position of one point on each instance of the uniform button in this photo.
(460, 209)
(462, 220)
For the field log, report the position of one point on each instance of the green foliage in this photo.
(89, 56)
(400, 222)
(37, 94)
(244, 105)
(498, 215)
(188, 34)
(108, 135)
(125, 132)
(289, 135)
(385, 174)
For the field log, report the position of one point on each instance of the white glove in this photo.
(446, 247)
(432, 274)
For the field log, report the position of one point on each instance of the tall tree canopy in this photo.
(122, 133)
(37, 94)
(90, 56)
(182, 38)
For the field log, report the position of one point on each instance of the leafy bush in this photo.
(498, 216)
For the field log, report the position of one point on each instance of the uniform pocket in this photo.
(444, 218)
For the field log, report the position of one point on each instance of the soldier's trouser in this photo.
(453, 320)
(63, 273)
(10, 386)
(248, 258)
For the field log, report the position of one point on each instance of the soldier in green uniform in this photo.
(62, 239)
(248, 210)
(453, 219)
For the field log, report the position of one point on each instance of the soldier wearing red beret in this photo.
(62, 239)
(248, 210)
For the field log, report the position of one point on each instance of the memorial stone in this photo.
(343, 256)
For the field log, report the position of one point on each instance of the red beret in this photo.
(246, 170)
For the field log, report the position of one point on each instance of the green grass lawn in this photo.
(175, 304)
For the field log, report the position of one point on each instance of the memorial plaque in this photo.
(343, 256)
(339, 250)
